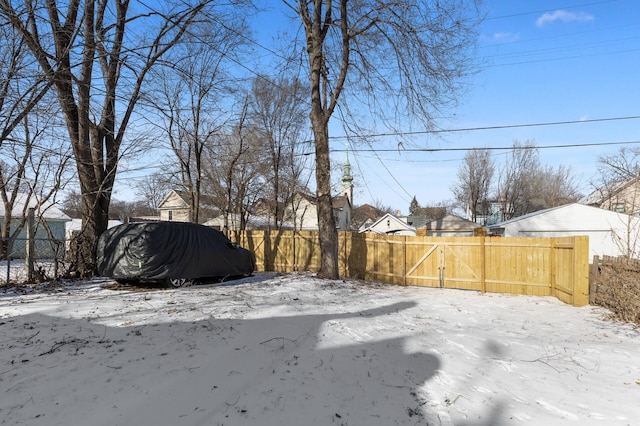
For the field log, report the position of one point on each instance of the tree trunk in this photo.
(95, 217)
(327, 233)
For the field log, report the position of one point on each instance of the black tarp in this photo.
(163, 250)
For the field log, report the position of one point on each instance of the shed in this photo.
(47, 215)
(610, 233)
(449, 226)
(391, 225)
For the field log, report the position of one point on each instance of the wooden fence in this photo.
(532, 266)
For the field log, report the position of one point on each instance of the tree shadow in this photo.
(298, 369)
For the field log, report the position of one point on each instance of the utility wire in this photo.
(498, 127)
(501, 148)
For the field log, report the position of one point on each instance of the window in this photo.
(619, 208)
(170, 215)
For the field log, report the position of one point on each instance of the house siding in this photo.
(607, 230)
(45, 246)
(174, 209)
(302, 215)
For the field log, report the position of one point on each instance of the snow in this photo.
(296, 350)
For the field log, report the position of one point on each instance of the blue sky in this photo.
(541, 62)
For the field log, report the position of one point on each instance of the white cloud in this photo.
(564, 16)
(505, 37)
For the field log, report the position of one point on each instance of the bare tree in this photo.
(22, 87)
(618, 189)
(90, 55)
(190, 97)
(552, 187)
(525, 185)
(25, 166)
(152, 189)
(514, 182)
(475, 176)
(278, 115)
(72, 204)
(235, 172)
(618, 183)
(33, 165)
(408, 54)
(125, 210)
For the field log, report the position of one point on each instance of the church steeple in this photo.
(347, 180)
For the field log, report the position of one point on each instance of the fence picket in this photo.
(533, 266)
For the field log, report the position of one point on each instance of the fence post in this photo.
(483, 259)
(593, 279)
(8, 256)
(268, 266)
(345, 254)
(552, 261)
(581, 271)
(404, 261)
(30, 244)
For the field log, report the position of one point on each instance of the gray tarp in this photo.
(162, 250)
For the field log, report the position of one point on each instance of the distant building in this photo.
(391, 225)
(620, 197)
(450, 226)
(175, 207)
(610, 233)
(49, 226)
(364, 216)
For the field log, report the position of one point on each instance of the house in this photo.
(175, 207)
(301, 214)
(364, 216)
(391, 225)
(342, 212)
(449, 226)
(610, 233)
(49, 223)
(621, 197)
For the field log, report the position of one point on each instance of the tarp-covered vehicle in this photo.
(175, 253)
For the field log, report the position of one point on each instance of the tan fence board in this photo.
(531, 266)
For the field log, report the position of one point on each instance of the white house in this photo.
(175, 207)
(391, 225)
(610, 233)
(301, 214)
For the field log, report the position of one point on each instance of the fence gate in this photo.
(446, 263)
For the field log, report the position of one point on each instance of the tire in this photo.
(177, 282)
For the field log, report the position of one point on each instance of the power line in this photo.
(533, 61)
(573, 145)
(497, 127)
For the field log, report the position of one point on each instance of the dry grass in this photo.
(617, 288)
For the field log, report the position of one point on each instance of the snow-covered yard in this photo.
(294, 350)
